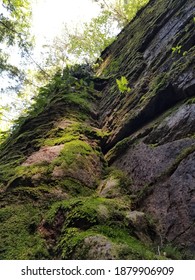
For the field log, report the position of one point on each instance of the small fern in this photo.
(123, 85)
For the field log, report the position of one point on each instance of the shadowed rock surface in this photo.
(96, 173)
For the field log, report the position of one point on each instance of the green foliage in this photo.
(3, 136)
(84, 43)
(15, 21)
(123, 85)
(94, 216)
(64, 83)
(122, 11)
(14, 27)
(176, 49)
(80, 44)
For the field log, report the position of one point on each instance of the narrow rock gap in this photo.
(165, 99)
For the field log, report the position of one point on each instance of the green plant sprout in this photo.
(122, 85)
(176, 49)
(185, 53)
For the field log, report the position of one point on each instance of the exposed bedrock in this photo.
(152, 127)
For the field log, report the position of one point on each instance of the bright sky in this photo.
(49, 15)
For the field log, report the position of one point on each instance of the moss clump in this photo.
(60, 140)
(89, 207)
(74, 187)
(74, 131)
(19, 236)
(92, 217)
(171, 252)
(29, 176)
(71, 151)
(116, 184)
(71, 241)
(123, 245)
(118, 149)
(33, 193)
(31, 170)
(184, 154)
(128, 247)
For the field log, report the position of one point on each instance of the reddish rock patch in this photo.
(45, 154)
(64, 123)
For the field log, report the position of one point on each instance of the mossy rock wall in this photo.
(94, 172)
(55, 198)
(155, 52)
(152, 126)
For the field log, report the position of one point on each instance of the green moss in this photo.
(74, 131)
(7, 170)
(71, 151)
(74, 187)
(94, 216)
(90, 209)
(118, 149)
(124, 181)
(159, 82)
(184, 154)
(61, 140)
(19, 236)
(124, 245)
(22, 175)
(13, 151)
(71, 241)
(34, 193)
(133, 249)
(76, 212)
(134, 46)
(113, 67)
(171, 252)
(32, 169)
(190, 101)
(79, 99)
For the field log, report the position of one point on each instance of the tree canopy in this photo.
(15, 21)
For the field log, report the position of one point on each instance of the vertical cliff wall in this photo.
(97, 172)
(152, 127)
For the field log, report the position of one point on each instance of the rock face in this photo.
(152, 127)
(98, 173)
